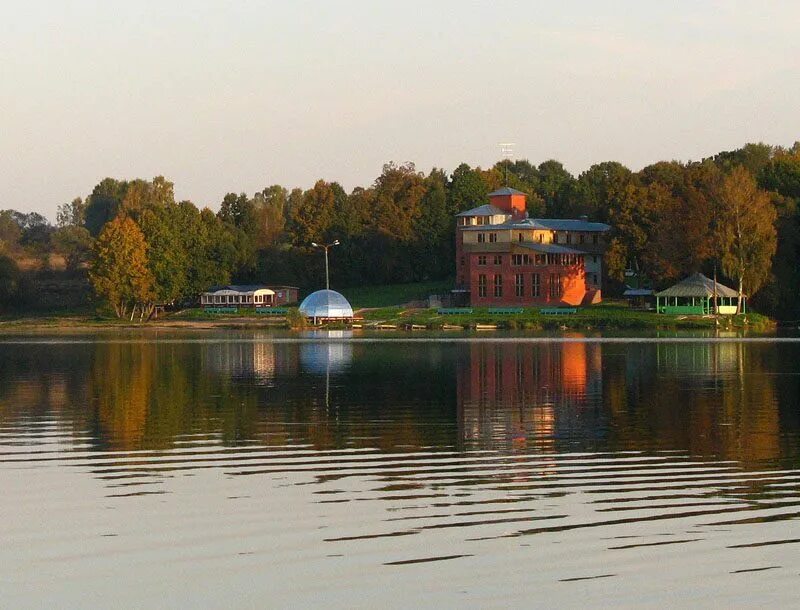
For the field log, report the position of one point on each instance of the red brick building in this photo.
(505, 258)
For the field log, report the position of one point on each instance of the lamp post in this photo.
(325, 247)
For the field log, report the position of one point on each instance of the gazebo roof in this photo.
(697, 285)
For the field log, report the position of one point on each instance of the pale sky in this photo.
(225, 96)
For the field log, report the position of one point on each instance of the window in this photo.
(535, 285)
(582, 238)
(519, 237)
(555, 285)
(552, 259)
(568, 238)
(498, 285)
(481, 237)
(594, 239)
(482, 259)
(539, 259)
(481, 285)
(516, 260)
(540, 237)
(492, 237)
(498, 260)
(594, 259)
(519, 285)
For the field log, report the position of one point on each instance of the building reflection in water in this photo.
(529, 395)
(732, 400)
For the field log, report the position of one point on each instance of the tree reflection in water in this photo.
(726, 400)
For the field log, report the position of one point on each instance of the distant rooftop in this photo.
(506, 190)
(239, 288)
(697, 285)
(484, 210)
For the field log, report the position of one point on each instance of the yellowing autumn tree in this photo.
(745, 232)
(119, 272)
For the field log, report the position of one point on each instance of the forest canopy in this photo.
(736, 211)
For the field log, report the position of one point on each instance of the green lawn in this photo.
(608, 316)
(394, 294)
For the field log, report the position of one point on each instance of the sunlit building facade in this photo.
(505, 258)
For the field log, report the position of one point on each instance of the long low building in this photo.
(254, 295)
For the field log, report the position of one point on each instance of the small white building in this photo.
(238, 296)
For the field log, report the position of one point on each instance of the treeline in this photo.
(736, 211)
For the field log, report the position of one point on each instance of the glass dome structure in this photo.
(326, 304)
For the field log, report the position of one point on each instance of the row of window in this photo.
(228, 299)
(518, 260)
(555, 286)
(558, 238)
(566, 238)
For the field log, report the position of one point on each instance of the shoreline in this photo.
(397, 320)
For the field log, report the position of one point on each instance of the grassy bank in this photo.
(394, 294)
(606, 316)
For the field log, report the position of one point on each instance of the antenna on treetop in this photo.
(507, 152)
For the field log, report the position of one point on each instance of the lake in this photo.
(251, 469)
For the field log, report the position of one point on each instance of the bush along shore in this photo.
(595, 317)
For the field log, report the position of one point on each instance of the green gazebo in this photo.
(695, 296)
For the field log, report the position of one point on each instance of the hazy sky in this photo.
(234, 96)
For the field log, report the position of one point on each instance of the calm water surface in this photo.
(242, 469)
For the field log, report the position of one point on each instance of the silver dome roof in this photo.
(326, 304)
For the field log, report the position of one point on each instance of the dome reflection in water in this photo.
(567, 467)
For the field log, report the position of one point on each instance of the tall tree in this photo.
(465, 190)
(119, 272)
(745, 232)
(557, 188)
(72, 214)
(104, 203)
(311, 217)
(433, 230)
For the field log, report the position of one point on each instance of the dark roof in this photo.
(239, 288)
(567, 224)
(506, 190)
(638, 292)
(484, 210)
(697, 285)
(547, 248)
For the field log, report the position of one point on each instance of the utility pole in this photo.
(325, 247)
(506, 152)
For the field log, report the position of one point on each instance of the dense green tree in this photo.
(165, 232)
(634, 219)
(312, 216)
(557, 188)
(433, 230)
(465, 190)
(601, 187)
(270, 206)
(753, 157)
(104, 204)
(782, 175)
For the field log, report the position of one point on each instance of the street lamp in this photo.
(325, 247)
